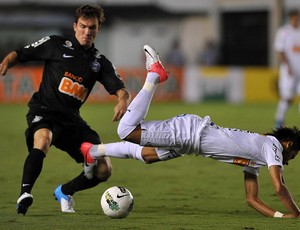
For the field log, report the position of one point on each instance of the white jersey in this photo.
(187, 134)
(241, 147)
(287, 40)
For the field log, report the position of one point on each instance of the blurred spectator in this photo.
(175, 57)
(210, 55)
(287, 45)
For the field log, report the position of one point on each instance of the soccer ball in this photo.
(117, 202)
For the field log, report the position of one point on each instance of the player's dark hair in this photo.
(287, 134)
(293, 12)
(90, 11)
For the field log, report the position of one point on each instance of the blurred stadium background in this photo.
(243, 31)
(188, 193)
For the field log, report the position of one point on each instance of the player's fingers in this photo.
(2, 70)
(116, 117)
(119, 112)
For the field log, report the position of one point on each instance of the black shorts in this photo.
(68, 133)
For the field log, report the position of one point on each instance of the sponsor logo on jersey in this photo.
(296, 48)
(74, 89)
(97, 54)
(39, 42)
(72, 76)
(37, 119)
(67, 56)
(274, 148)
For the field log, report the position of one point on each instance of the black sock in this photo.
(32, 168)
(79, 183)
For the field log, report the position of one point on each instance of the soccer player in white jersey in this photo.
(152, 141)
(287, 44)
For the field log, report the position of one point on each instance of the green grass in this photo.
(187, 193)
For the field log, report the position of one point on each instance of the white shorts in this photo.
(181, 133)
(289, 86)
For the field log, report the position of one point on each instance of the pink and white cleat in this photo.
(153, 63)
(89, 162)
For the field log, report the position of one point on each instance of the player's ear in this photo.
(286, 144)
(74, 26)
(289, 144)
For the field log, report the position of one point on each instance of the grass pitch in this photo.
(186, 193)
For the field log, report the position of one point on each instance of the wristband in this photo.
(278, 214)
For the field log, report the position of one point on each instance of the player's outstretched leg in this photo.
(138, 108)
(127, 150)
(118, 150)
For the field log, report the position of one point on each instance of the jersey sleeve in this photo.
(110, 79)
(279, 40)
(272, 151)
(38, 51)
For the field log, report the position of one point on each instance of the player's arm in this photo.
(9, 61)
(120, 108)
(283, 192)
(279, 46)
(283, 59)
(253, 200)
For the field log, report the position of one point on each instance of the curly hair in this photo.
(287, 134)
(90, 11)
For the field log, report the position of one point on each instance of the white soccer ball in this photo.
(117, 202)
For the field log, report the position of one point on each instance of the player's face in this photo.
(295, 20)
(289, 155)
(86, 31)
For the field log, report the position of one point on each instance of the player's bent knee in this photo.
(104, 169)
(130, 133)
(149, 155)
(123, 131)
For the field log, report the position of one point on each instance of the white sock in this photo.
(138, 108)
(282, 108)
(118, 150)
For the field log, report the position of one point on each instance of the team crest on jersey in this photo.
(95, 66)
(68, 45)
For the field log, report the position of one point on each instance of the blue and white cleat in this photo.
(66, 201)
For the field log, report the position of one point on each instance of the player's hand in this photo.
(3, 69)
(290, 215)
(120, 109)
(290, 72)
(123, 102)
(10, 60)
